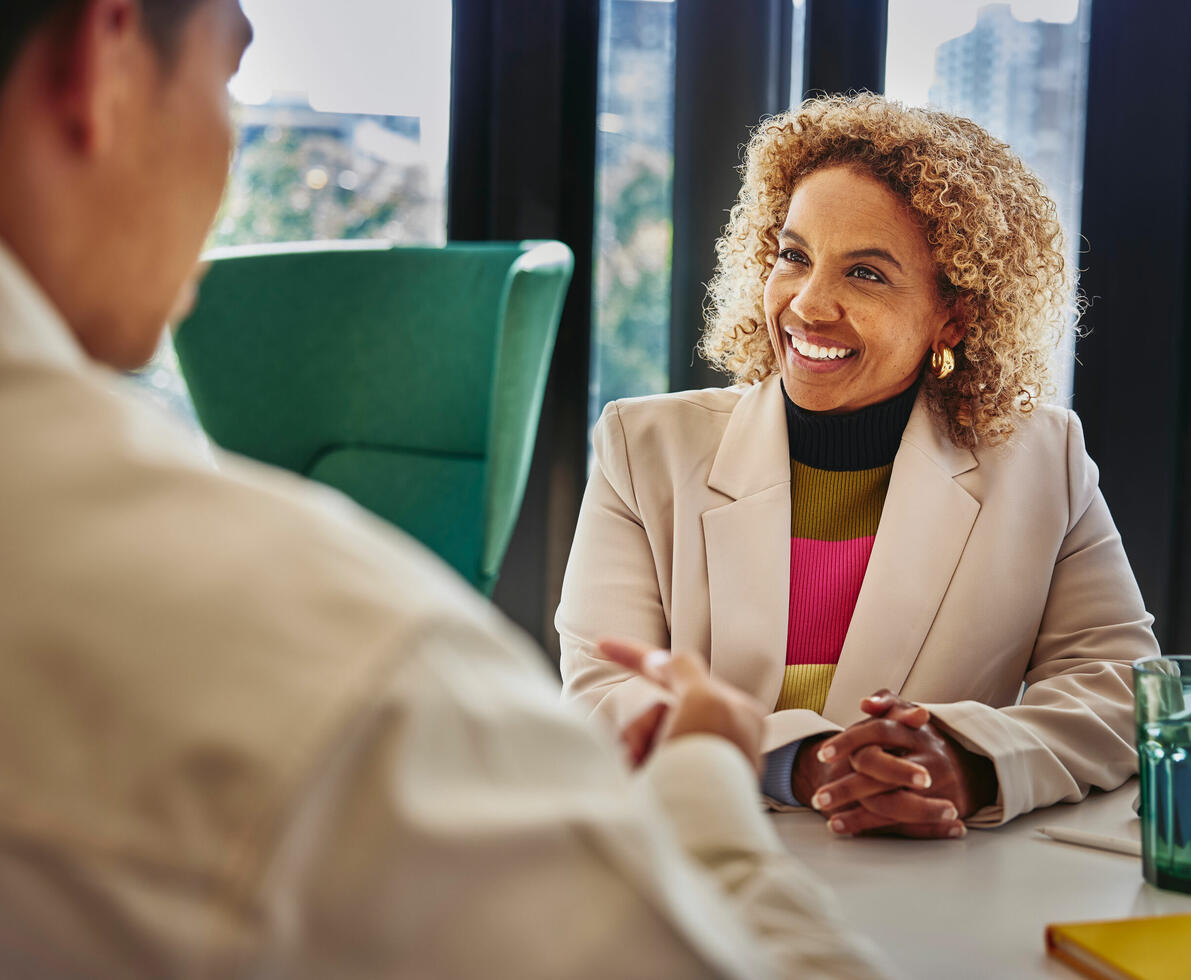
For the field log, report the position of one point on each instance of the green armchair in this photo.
(409, 378)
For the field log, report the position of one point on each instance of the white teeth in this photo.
(817, 353)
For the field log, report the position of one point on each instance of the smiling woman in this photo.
(850, 323)
(956, 201)
(881, 530)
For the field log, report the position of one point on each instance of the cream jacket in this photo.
(989, 569)
(245, 730)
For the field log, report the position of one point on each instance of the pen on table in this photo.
(1118, 844)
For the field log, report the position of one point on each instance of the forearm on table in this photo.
(1050, 749)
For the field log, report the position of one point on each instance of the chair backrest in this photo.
(409, 378)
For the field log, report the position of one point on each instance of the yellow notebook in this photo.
(1156, 948)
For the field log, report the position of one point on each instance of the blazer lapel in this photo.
(748, 544)
(924, 528)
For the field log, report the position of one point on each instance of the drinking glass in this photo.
(1162, 688)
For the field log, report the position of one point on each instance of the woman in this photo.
(882, 503)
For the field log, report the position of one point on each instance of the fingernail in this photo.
(959, 831)
(922, 780)
(820, 800)
(827, 753)
(950, 813)
(655, 660)
(837, 825)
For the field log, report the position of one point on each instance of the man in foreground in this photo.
(245, 729)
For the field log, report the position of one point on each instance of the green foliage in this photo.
(291, 184)
(632, 289)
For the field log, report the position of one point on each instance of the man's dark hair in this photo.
(163, 20)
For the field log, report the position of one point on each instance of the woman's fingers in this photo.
(858, 820)
(881, 732)
(873, 761)
(841, 792)
(900, 806)
(886, 704)
(930, 831)
(902, 813)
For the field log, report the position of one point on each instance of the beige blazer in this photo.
(246, 730)
(990, 568)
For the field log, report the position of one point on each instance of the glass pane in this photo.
(344, 111)
(1019, 70)
(633, 227)
(797, 51)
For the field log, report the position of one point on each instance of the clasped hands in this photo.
(894, 772)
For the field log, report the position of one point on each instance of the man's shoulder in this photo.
(239, 613)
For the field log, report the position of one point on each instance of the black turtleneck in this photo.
(859, 440)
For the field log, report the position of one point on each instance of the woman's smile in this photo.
(819, 355)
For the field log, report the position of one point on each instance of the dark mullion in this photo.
(781, 55)
(730, 62)
(845, 45)
(1132, 375)
(470, 156)
(523, 166)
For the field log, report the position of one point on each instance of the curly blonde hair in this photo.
(992, 229)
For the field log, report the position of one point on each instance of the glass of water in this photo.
(1162, 688)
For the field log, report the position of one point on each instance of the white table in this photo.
(978, 907)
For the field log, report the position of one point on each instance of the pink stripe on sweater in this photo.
(825, 580)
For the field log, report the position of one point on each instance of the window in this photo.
(797, 50)
(1019, 70)
(343, 114)
(633, 225)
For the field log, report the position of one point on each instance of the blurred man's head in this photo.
(114, 142)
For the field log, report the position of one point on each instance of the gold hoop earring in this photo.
(942, 362)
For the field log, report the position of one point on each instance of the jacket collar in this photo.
(754, 452)
(31, 329)
(924, 433)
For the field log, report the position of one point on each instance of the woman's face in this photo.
(852, 303)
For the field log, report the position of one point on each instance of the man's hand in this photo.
(875, 797)
(701, 703)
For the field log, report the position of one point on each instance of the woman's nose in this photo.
(816, 301)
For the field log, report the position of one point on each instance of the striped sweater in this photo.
(839, 474)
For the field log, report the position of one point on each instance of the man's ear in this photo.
(97, 51)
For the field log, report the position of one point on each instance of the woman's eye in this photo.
(867, 274)
(792, 255)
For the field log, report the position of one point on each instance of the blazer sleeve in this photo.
(610, 587)
(1073, 727)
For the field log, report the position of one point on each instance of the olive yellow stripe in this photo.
(836, 505)
(805, 686)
